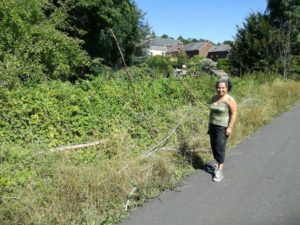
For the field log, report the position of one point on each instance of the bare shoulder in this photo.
(232, 103)
(231, 99)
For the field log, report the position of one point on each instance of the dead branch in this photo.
(154, 149)
(128, 198)
(71, 147)
(128, 74)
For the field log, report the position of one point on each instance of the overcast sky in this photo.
(214, 20)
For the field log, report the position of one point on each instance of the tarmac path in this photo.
(261, 184)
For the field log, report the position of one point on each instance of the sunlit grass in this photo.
(101, 184)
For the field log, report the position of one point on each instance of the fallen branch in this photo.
(71, 147)
(128, 198)
(154, 149)
(192, 150)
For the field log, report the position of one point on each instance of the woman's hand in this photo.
(228, 131)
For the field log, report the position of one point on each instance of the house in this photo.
(197, 48)
(160, 46)
(157, 50)
(174, 51)
(218, 52)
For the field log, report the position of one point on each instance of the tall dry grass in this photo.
(260, 105)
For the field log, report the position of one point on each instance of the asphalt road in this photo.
(261, 184)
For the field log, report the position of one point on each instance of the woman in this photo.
(223, 113)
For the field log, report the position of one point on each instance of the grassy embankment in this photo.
(145, 145)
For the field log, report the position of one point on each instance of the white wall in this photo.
(155, 52)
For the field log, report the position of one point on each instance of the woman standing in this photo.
(223, 113)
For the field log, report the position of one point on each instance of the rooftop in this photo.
(165, 42)
(194, 46)
(220, 48)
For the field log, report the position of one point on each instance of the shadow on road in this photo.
(195, 160)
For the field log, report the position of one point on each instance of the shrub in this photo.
(199, 64)
(161, 65)
(33, 49)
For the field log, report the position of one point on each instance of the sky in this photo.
(214, 20)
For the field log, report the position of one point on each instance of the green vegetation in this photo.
(144, 128)
(141, 150)
(64, 40)
(268, 41)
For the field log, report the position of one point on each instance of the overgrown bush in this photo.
(33, 49)
(224, 64)
(199, 64)
(161, 65)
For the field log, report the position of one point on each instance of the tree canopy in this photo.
(285, 15)
(60, 39)
(92, 21)
(268, 41)
(32, 48)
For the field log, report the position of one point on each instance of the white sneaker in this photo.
(218, 175)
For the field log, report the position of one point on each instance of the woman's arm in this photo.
(233, 114)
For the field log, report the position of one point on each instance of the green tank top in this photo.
(219, 114)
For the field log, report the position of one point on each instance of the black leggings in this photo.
(218, 141)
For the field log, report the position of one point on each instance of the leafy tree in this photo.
(92, 21)
(144, 42)
(32, 49)
(252, 49)
(184, 41)
(165, 36)
(190, 40)
(284, 16)
(295, 65)
(270, 40)
(227, 42)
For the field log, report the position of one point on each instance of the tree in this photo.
(284, 16)
(269, 40)
(252, 48)
(165, 36)
(92, 21)
(144, 42)
(33, 49)
(184, 41)
(227, 42)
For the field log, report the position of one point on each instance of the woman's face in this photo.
(222, 89)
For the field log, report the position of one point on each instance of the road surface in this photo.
(261, 184)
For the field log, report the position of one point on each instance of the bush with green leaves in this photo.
(182, 59)
(199, 64)
(33, 49)
(224, 64)
(161, 65)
